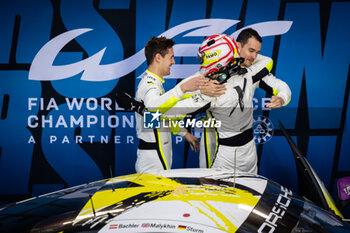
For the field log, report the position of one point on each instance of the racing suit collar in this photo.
(153, 74)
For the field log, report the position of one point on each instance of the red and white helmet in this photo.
(216, 52)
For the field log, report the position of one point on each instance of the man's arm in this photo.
(264, 79)
(280, 90)
(187, 106)
(213, 89)
(154, 99)
(210, 88)
(193, 141)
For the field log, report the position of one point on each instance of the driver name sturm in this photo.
(154, 120)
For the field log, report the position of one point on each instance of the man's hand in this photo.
(129, 103)
(276, 102)
(193, 141)
(213, 89)
(193, 84)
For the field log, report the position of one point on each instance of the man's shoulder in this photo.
(262, 58)
(148, 80)
(260, 63)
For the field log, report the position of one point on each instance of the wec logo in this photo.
(42, 68)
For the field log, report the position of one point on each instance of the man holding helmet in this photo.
(249, 45)
(221, 61)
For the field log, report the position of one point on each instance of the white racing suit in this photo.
(155, 147)
(262, 78)
(236, 147)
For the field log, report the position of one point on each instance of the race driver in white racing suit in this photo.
(249, 44)
(236, 147)
(155, 146)
(260, 71)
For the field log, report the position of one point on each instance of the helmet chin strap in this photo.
(232, 68)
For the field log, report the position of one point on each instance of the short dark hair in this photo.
(157, 45)
(245, 34)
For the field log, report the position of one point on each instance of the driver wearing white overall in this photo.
(236, 146)
(155, 146)
(249, 44)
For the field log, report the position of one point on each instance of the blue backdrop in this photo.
(62, 62)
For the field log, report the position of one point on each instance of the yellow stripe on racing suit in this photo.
(150, 90)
